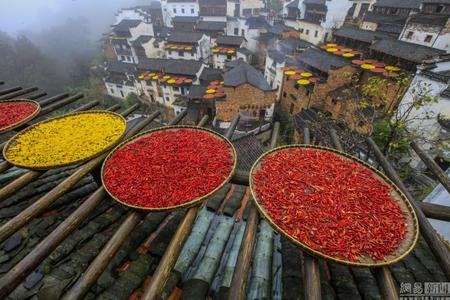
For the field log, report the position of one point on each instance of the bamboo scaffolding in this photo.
(435, 211)
(383, 274)
(23, 218)
(433, 166)
(21, 270)
(161, 275)
(438, 247)
(96, 268)
(31, 175)
(18, 93)
(37, 96)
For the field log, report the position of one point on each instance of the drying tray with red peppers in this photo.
(16, 112)
(168, 168)
(334, 205)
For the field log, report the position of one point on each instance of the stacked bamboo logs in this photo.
(19, 272)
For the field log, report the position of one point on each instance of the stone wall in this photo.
(245, 98)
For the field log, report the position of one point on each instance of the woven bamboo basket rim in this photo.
(75, 162)
(180, 206)
(411, 221)
(25, 120)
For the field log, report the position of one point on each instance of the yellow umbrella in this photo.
(152, 74)
(303, 81)
(166, 77)
(289, 73)
(367, 66)
(170, 81)
(141, 76)
(306, 74)
(210, 91)
(332, 49)
(155, 77)
(331, 45)
(230, 51)
(215, 50)
(348, 55)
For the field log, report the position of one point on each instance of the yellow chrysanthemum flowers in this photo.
(65, 140)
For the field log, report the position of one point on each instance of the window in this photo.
(409, 35)
(112, 91)
(229, 57)
(316, 33)
(291, 110)
(301, 30)
(180, 53)
(236, 31)
(307, 31)
(174, 10)
(176, 89)
(428, 38)
(242, 32)
(440, 8)
(284, 94)
(170, 52)
(182, 11)
(192, 10)
(122, 57)
(121, 93)
(254, 114)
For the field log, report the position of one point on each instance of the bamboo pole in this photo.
(92, 104)
(382, 274)
(438, 247)
(433, 166)
(18, 93)
(37, 96)
(59, 104)
(96, 268)
(161, 275)
(23, 218)
(10, 90)
(52, 99)
(40, 252)
(311, 264)
(238, 286)
(435, 211)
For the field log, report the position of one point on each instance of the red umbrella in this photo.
(378, 70)
(358, 62)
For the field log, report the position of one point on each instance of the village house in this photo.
(134, 13)
(316, 19)
(213, 10)
(188, 46)
(245, 8)
(178, 8)
(390, 16)
(213, 29)
(164, 80)
(227, 48)
(359, 39)
(431, 122)
(183, 23)
(247, 94)
(250, 29)
(119, 81)
(432, 30)
(146, 46)
(358, 10)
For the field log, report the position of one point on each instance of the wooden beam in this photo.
(435, 211)
(433, 166)
(435, 243)
(18, 93)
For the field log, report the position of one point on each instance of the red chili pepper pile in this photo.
(14, 112)
(329, 203)
(168, 168)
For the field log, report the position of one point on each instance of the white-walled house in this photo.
(432, 30)
(244, 8)
(226, 49)
(316, 19)
(119, 81)
(178, 8)
(433, 82)
(146, 46)
(164, 80)
(188, 46)
(250, 29)
(132, 13)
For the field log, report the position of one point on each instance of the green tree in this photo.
(276, 5)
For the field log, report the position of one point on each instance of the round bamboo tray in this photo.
(75, 162)
(191, 203)
(26, 119)
(411, 222)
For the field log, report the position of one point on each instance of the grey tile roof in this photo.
(379, 18)
(125, 25)
(408, 51)
(293, 4)
(429, 19)
(230, 40)
(248, 150)
(276, 55)
(184, 19)
(170, 66)
(257, 23)
(321, 60)
(242, 72)
(196, 91)
(278, 29)
(211, 26)
(211, 74)
(291, 44)
(184, 37)
(413, 4)
(245, 51)
(393, 29)
(367, 36)
(142, 39)
(315, 2)
(121, 67)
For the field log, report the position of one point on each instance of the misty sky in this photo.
(18, 16)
